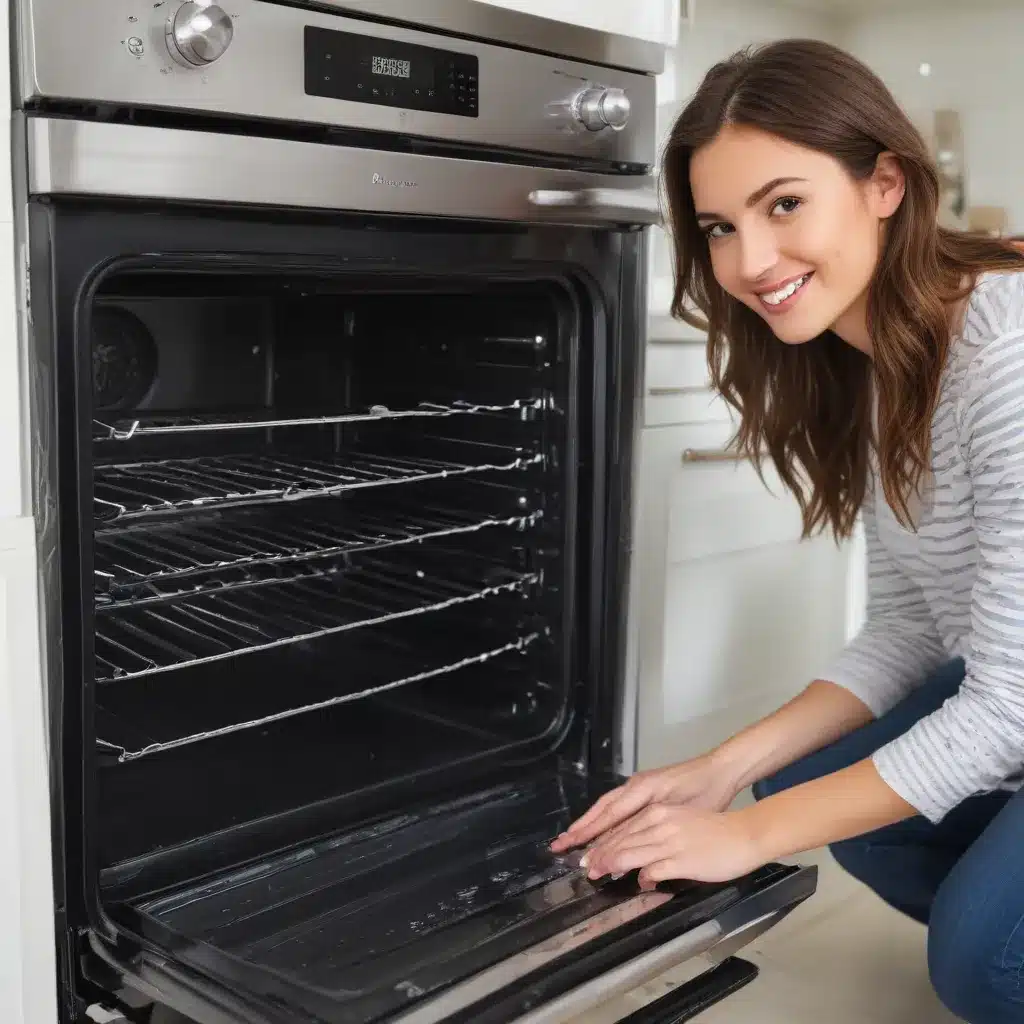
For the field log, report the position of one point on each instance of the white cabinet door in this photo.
(678, 386)
(653, 20)
(732, 613)
(28, 971)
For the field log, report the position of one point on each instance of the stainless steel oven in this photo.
(336, 335)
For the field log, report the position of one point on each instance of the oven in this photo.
(335, 334)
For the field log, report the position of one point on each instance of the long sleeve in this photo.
(975, 741)
(899, 645)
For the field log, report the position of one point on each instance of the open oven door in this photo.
(455, 911)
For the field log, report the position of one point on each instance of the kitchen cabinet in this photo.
(731, 613)
(678, 390)
(27, 967)
(653, 20)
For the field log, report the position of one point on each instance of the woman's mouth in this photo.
(784, 298)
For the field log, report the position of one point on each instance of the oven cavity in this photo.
(332, 541)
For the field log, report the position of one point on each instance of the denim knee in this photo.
(976, 960)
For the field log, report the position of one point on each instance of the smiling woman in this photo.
(879, 360)
(794, 168)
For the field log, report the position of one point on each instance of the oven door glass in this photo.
(448, 912)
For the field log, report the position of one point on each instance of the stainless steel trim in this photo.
(637, 205)
(759, 909)
(94, 158)
(33, 436)
(116, 52)
(486, 21)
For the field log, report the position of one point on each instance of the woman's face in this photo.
(790, 233)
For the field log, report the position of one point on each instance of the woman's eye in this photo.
(717, 230)
(787, 204)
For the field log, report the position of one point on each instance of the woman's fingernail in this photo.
(584, 861)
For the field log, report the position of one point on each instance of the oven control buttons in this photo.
(198, 33)
(597, 108)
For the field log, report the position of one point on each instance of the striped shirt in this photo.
(955, 587)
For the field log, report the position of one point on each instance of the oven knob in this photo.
(199, 33)
(602, 108)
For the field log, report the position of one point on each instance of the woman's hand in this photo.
(670, 842)
(667, 842)
(702, 783)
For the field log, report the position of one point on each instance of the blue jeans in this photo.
(963, 878)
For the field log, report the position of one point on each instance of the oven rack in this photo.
(133, 490)
(210, 627)
(161, 425)
(124, 753)
(149, 560)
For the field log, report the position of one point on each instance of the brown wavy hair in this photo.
(808, 408)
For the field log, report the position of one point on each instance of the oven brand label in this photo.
(379, 179)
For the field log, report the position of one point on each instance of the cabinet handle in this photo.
(674, 389)
(713, 455)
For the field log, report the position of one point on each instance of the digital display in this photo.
(391, 73)
(391, 67)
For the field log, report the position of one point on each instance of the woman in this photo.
(879, 362)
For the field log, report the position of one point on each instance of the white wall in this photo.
(974, 51)
(719, 29)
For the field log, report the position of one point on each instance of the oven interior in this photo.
(334, 548)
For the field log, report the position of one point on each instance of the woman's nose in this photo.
(758, 254)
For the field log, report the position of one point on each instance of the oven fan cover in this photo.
(124, 359)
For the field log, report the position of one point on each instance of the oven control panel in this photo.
(345, 66)
(311, 62)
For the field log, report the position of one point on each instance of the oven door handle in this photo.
(617, 205)
(708, 944)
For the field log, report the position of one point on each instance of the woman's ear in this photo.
(888, 185)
